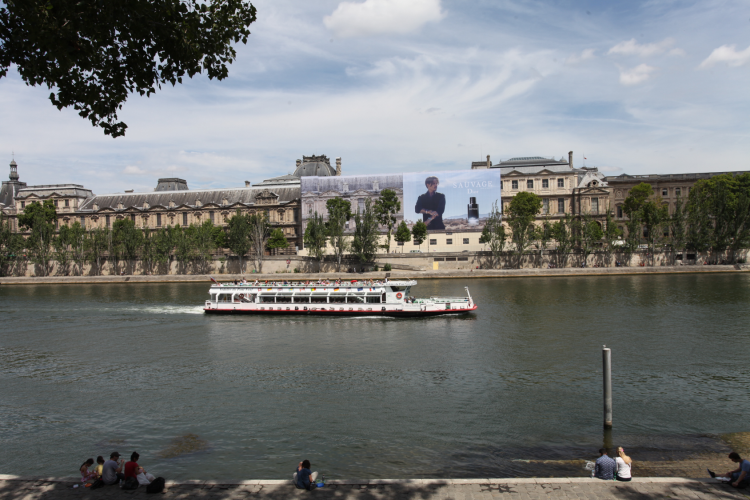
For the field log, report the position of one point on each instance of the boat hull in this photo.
(402, 313)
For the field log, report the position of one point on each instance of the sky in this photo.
(637, 87)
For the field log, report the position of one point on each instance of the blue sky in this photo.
(399, 86)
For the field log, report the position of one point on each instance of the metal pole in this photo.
(607, 364)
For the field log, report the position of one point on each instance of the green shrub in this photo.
(387, 267)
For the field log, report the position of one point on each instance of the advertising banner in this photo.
(454, 200)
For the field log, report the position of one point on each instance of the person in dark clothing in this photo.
(605, 467)
(431, 205)
(304, 479)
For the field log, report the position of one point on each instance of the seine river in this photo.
(88, 369)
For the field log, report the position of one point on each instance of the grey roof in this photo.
(47, 190)
(190, 198)
(315, 166)
(8, 192)
(530, 161)
(666, 177)
(283, 180)
(556, 168)
(353, 182)
(171, 184)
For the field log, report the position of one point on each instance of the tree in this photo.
(95, 54)
(259, 232)
(339, 212)
(611, 235)
(654, 213)
(316, 237)
(204, 240)
(521, 213)
(237, 236)
(184, 246)
(386, 207)
(127, 241)
(62, 254)
(162, 243)
(77, 242)
(562, 233)
(419, 233)
(96, 244)
(365, 242)
(493, 235)
(11, 247)
(40, 220)
(277, 240)
(402, 235)
(588, 233)
(678, 228)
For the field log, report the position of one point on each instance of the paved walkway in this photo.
(416, 489)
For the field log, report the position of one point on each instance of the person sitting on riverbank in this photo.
(99, 466)
(86, 475)
(624, 464)
(144, 478)
(605, 467)
(131, 468)
(740, 477)
(303, 478)
(112, 469)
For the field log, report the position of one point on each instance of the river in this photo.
(89, 369)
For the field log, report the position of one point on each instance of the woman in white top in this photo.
(624, 463)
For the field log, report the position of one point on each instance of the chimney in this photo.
(247, 184)
(570, 158)
(489, 163)
(338, 166)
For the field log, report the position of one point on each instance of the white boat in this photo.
(352, 298)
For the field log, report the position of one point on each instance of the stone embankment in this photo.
(14, 487)
(472, 273)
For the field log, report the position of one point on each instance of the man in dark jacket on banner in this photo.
(431, 205)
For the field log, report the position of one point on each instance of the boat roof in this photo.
(302, 284)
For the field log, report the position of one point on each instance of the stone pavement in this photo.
(415, 489)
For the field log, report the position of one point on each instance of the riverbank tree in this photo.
(493, 235)
(339, 213)
(365, 241)
(386, 207)
(520, 215)
(39, 219)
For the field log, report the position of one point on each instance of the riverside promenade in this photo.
(15, 487)
(446, 274)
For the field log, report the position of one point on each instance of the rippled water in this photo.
(87, 369)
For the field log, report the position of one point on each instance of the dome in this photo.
(314, 166)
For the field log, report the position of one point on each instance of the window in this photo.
(361, 205)
(158, 220)
(545, 183)
(514, 184)
(561, 205)
(400, 243)
(83, 222)
(346, 225)
(449, 241)
(665, 192)
(433, 241)
(211, 216)
(561, 183)
(666, 232)
(530, 184)
(67, 203)
(57, 203)
(595, 206)
(57, 224)
(107, 218)
(545, 205)
(619, 211)
(132, 217)
(309, 208)
(466, 241)
(23, 204)
(184, 219)
(677, 191)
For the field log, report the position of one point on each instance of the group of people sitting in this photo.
(613, 468)
(116, 471)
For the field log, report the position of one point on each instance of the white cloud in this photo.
(727, 54)
(374, 17)
(583, 56)
(609, 169)
(636, 75)
(633, 48)
(134, 170)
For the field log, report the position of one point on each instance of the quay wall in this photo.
(413, 262)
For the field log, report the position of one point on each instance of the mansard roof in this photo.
(353, 183)
(49, 190)
(189, 199)
(536, 169)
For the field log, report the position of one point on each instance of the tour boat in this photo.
(331, 298)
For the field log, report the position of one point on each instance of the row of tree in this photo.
(715, 218)
(122, 245)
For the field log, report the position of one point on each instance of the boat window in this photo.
(225, 297)
(408, 289)
(373, 299)
(355, 299)
(267, 298)
(397, 288)
(301, 299)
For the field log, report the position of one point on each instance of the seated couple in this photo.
(112, 470)
(608, 468)
(304, 479)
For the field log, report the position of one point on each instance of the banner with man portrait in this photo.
(453, 200)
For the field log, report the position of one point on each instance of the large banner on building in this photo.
(454, 200)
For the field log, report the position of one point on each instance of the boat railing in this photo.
(449, 299)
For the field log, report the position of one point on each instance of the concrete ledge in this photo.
(365, 482)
